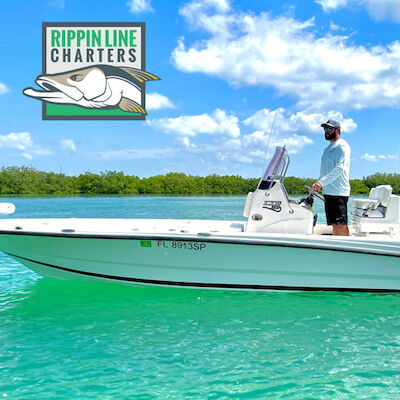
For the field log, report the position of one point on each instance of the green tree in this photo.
(24, 180)
(358, 187)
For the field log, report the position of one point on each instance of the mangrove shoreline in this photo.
(25, 180)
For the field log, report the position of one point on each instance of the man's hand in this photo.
(316, 186)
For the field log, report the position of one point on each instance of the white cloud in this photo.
(369, 157)
(252, 147)
(23, 141)
(248, 148)
(247, 49)
(3, 88)
(157, 101)
(17, 140)
(377, 9)
(335, 27)
(218, 123)
(68, 144)
(384, 9)
(139, 6)
(229, 143)
(375, 158)
(328, 5)
(135, 154)
(186, 141)
(287, 122)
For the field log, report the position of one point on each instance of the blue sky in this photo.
(227, 68)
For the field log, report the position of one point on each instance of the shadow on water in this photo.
(64, 299)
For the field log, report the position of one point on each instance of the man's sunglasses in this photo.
(327, 129)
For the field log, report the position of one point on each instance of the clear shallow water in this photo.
(72, 340)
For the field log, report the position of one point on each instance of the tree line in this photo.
(24, 180)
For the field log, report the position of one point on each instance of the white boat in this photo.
(278, 247)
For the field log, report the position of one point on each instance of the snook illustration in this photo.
(95, 87)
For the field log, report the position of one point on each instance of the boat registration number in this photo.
(181, 245)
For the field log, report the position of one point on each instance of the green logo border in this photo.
(132, 116)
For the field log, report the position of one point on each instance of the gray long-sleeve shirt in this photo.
(335, 169)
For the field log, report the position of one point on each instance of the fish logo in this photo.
(95, 87)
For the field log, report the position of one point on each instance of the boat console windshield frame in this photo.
(276, 170)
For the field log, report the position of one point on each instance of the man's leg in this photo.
(340, 230)
(336, 214)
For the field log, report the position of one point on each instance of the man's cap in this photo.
(331, 123)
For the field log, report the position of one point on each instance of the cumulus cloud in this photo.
(375, 158)
(248, 49)
(23, 141)
(228, 142)
(246, 149)
(289, 128)
(135, 154)
(377, 9)
(328, 5)
(68, 144)
(157, 101)
(287, 122)
(252, 147)
(139, 6)
(230, 139)
(17, 140)
(369, 157)
(218, 123)
(384, 9)
(3, 88)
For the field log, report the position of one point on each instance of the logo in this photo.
(273, 205)
(92, 71)
(145, 243)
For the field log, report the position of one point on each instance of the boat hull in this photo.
(215, 263)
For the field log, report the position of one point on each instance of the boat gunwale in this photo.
(210, 239)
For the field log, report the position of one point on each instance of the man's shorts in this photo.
(336, 209)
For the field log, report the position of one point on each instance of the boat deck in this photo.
(109, 227)
(123, 226)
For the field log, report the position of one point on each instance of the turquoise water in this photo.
(73, 340)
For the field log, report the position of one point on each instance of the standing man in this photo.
(334, 178)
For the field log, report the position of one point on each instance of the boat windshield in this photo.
(276, 169)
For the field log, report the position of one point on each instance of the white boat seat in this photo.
(364, 204)
(378, 196)
(382, 194)
(375, 214)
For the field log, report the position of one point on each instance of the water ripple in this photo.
(74, 340)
